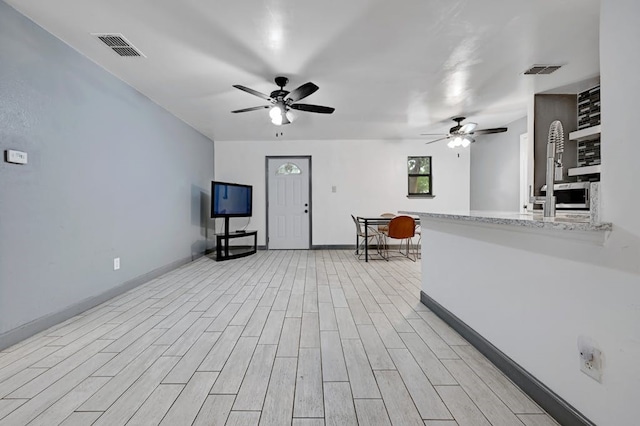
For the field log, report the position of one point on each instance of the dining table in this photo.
(372, 221)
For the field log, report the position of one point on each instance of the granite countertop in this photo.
(562, 221)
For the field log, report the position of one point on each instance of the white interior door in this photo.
(288, 203)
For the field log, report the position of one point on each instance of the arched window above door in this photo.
(288, 169)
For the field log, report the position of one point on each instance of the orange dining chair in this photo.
(401, 228)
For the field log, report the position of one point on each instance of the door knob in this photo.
(306, 204)
(306, 211)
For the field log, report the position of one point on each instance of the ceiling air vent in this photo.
(119, 44)
(542, 69)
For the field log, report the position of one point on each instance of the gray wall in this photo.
(495, 169)
(110, 174)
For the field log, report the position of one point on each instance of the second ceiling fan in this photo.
(281, 101)
(462, 134)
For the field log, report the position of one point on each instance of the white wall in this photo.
(495, 169)
(531, 295)
(370, 176)
(620, 85)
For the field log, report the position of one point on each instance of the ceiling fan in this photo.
(462, 134)
(281, 101)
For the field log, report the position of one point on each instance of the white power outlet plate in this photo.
(116, 263)
(590, 358)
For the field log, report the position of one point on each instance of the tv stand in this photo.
(226, 251)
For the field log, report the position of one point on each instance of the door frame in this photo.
(526, 175)
(266, 182)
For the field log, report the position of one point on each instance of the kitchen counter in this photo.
(531, 288)
(562, 221)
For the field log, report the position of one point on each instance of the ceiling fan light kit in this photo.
(280, 115)
(463, 141)
(462, 134)
(283, 101)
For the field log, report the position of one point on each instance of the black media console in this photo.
(226, 250)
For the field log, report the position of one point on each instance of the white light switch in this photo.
(116, 263)
(17, 157)
(334, 188)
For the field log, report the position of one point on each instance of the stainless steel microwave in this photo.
(572, 195)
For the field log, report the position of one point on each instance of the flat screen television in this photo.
(231, 199)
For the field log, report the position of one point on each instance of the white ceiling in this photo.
(392, 69)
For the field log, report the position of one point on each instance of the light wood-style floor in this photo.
(281, 337)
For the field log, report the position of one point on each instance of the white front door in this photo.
(288, 202)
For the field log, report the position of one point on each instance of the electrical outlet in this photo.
(590, 358)
(116, 263)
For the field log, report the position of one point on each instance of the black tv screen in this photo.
(231, 199)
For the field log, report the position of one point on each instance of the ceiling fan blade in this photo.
(252, 108)
(437, 140)
(489, 131)
(253, 92)
(302, 92)
(468, 128)
(433, 134)
(313, 108)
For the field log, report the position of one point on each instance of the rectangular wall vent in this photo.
(119, 44)
(542, 69)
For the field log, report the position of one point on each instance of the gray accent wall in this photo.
(110, 174)
(495, 169)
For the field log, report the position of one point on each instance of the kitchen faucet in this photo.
(555, 147)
